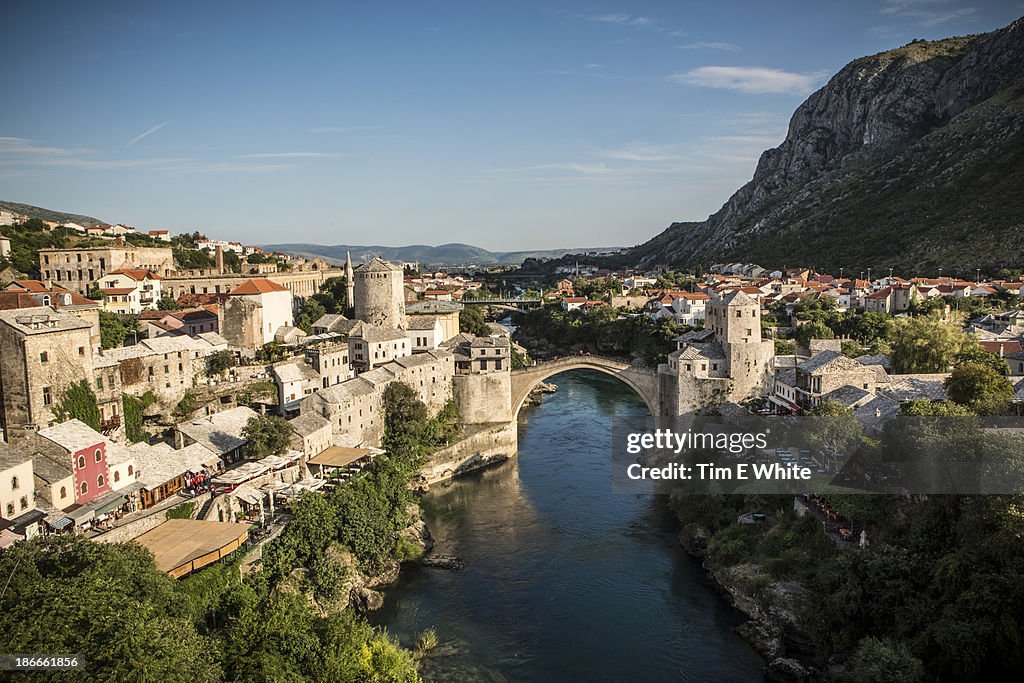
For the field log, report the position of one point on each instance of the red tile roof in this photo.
(257, 285)
(136, 273)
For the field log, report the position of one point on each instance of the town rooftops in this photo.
(377, 265)
(912, 387)
(309, 423)
(41, 320)
(738, 298)
(422, 322)
(828, 361)
(220, 432)
(73, 435)
(711, 351)
(137, 274)
(160, 463)
(377, 334)
(257, 285)
(847, 395)
(295, 372)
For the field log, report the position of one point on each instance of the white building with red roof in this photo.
(130, 290)
(255, 310)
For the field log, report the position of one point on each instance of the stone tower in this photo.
(349, 284)
(736, 321)
(380, 293)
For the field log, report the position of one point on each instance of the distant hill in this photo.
(49, 214)
(444, 254)
(912, 158)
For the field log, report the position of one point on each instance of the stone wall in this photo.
(481, 446)
(484, 398)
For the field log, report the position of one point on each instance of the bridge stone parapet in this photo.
(642, 378)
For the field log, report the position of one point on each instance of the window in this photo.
(99, 481)
(81, 462)
(63, 492)
(84, 488)
(117, 476)
(81, 350)
(10, 509)
(99, 455)
(99, 383)
(44, 357)
(23, 502)
(14, 483)
(130, 470)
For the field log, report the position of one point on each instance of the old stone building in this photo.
(379, 293)
(355, 408)
(44, 353)
(254, 311)
(33, 293)
(372, 345)
(727, 361)
(79, 269)
(482, 386)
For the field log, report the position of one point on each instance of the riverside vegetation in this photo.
(292, 620)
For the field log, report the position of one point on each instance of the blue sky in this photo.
(507, 125)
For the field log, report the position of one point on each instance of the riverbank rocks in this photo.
(694, 539)
(417, 532)
(783, 670)
(773, 606)
(536, 396)
(366, 599)
(451, 562)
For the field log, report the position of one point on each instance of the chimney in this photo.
(219, 260)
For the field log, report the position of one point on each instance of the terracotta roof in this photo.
(135, 273)
(257, 285)
(117, 291)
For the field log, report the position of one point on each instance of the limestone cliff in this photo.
(912, 158)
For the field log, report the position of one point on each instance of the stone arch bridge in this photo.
(643, 379)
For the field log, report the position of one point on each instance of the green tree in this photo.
(980, 388)
(267, 435)
(167, 303)
(922, 407)
(471, 321)
(922, 345)
(134, 408)
(883, 661)
(405, 423)
(79, 403)
(311, 311)
(784, 347)
(813, 330)
(219, 362)
(114, 329)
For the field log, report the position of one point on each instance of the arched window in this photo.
(117, 476)
(85, 488)
(131, 470)
(99, 481)
(63, 492)
(81, 462)
(99, 455)
(14, 483)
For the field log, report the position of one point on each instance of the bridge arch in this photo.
(643, 380)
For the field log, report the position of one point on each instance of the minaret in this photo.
(349, 282)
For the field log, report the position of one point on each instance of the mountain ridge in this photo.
(49, 214)
(912, 158)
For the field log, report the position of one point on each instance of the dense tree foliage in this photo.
(219, 362)
(267, 435)
(922, 345)
(311, 311)
(79, 403)
(980, 388)
(602, 330)
(134, 407)
(114, 329)
(471, 321)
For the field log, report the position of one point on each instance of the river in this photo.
(564, 580)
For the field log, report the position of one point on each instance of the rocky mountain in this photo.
(444, 254)
(912, 158)
(49, 214)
